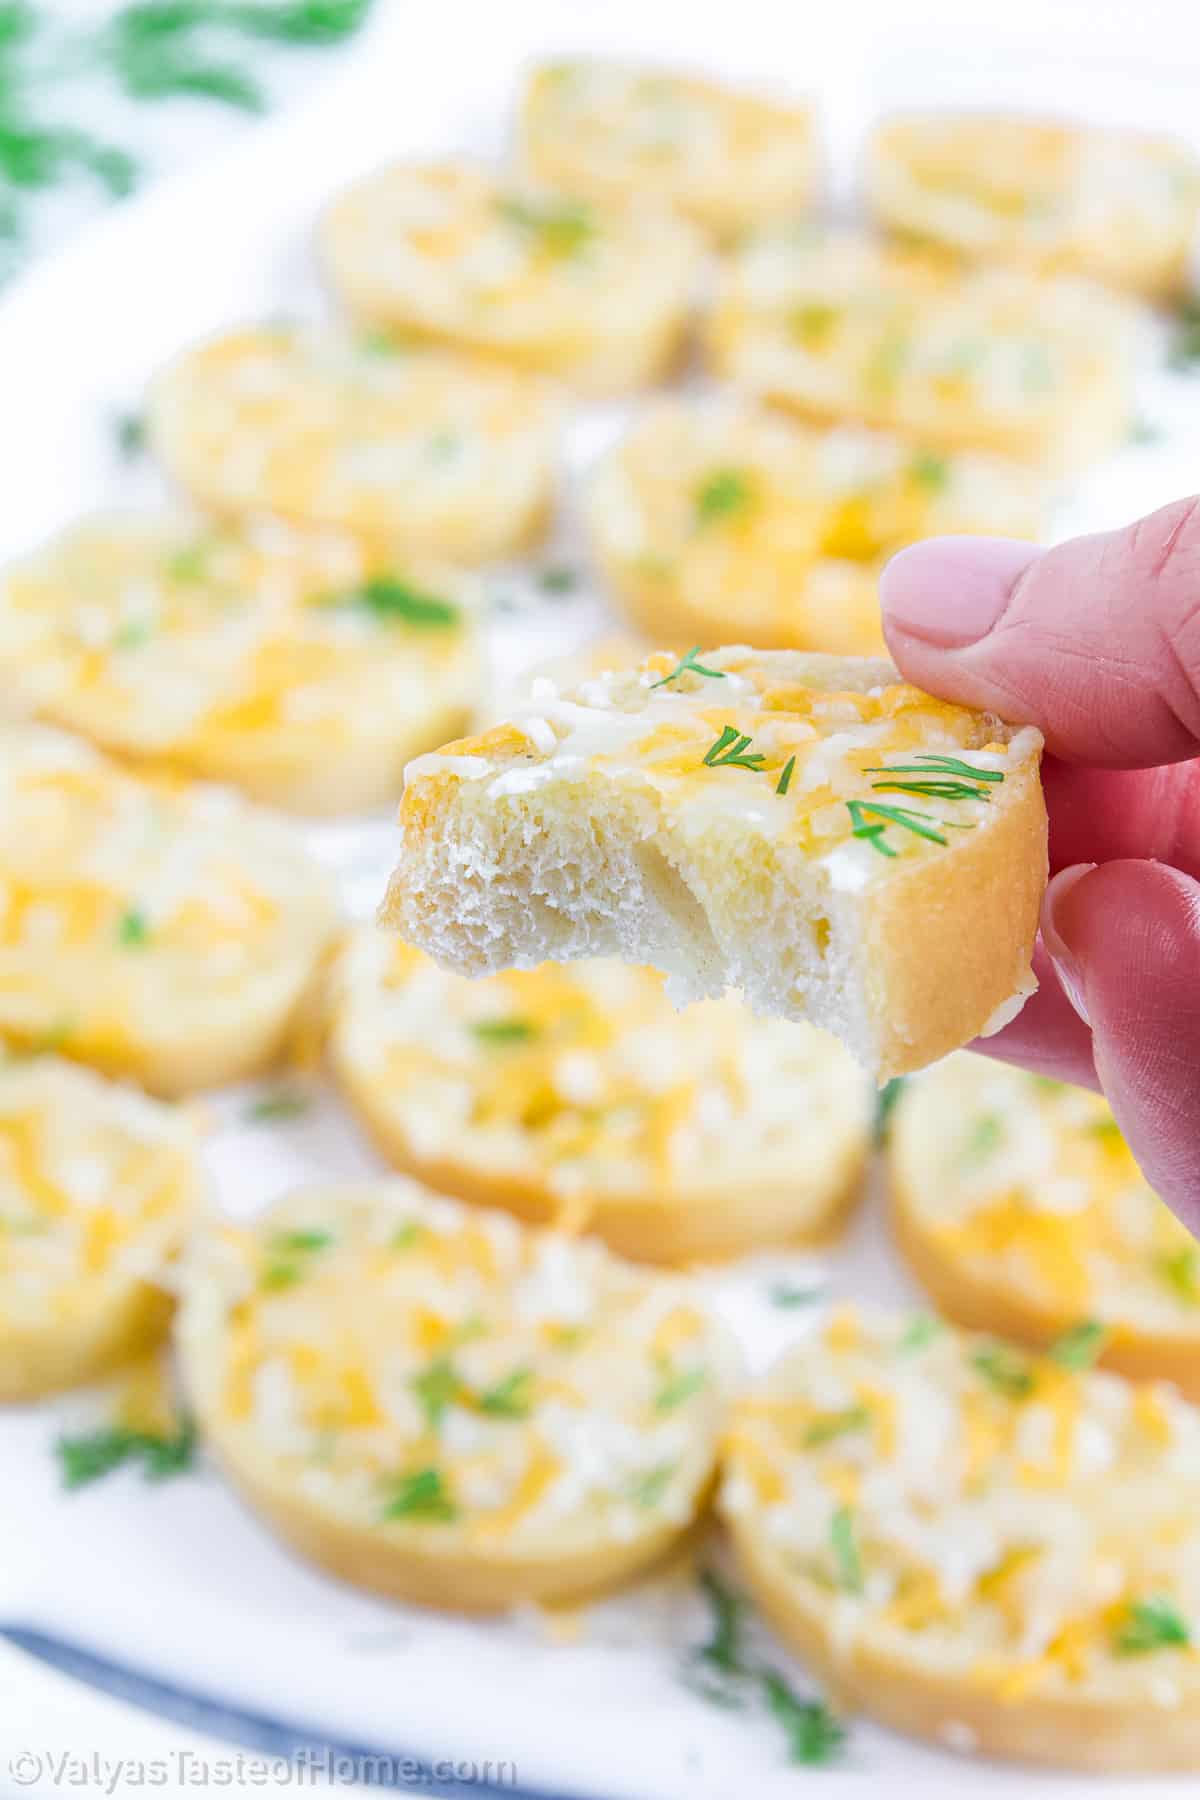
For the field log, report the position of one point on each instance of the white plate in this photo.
(179, 1582)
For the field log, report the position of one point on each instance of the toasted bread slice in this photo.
(1121, 206)
(714, 519)
(579, 1094)
(598, 296)
(444, 1406)
(167, 932)
(812, 831)
(1019, 1206)
(98, 1184)
(418, 453)
(617, 132)
(991, 1550)
(836, 326)
(285, 663)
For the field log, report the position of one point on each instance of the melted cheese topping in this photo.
(736, 522)
(615, 131)
(417, 1364)
(841, 326)
(96, 1186)
(960, 1502)
(1029, 1185)
(445, 456)
(128, 906)
(586, 1077)
(1115, 204)
(166, 639)
(446, 248)
(823, 768)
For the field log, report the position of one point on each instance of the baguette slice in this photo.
(577, 1093)
(990, 1550)
(97, 1187)
(810, 830)
(1022, 1211)
(443, 1406)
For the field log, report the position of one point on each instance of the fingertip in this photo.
(949, 592)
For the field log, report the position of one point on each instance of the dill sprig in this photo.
(1152, 1624)
(1081, 1346)
(1004, 1370)
(847, 1560)
(272, 1109)
(687, 665)
(561, 228)
(785, 778)
(730, 751)
(862, 812)
(504, 1031)
(828, 1426)
(885, 1106)
(421, 1495)
(937, 778)
(722, 495)
(510, 1398)
(89, 1458)
(678, 1385)
(394, 602)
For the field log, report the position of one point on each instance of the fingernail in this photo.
(951, 591)
(1058, 926)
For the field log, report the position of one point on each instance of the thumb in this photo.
(1096, 641)
(1125, 941)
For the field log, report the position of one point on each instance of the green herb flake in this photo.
(89, 1458)
(129, 429)
(813, 1734)
(504, 1031)
(729, 750)
(846, 1558)
(812, 323)
(1148, 1625)
(393, 602)
(510, 1398)
(863, 812)
(133, 930)
(1006, 1372)
(646, 1490)
(1144, 431)
(289, 1257)
(422, 1496)
(885, 1105)
(984, 1138)
(785, 779)
(556, 578)
(189, 564)
(406, 1236)
(379, 343)
(918, 1334)
(273, 1109)
(830, 1426)
(1080, 1347)
(929, 471)
(789, 1298)
(559, 228)
(722, 495)
(437, 1387)
(305, 1242)
(677, 1386)
(689, 666)
(1185, 346)
(1180, 1270)
(937, 778)
(133, 634)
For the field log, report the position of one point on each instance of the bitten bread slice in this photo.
(444, 1406)
(1021, 1209)
(811, 830)
(995, 1551)
(577, 1093)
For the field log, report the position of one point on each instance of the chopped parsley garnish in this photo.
(510, 1398)
(290, 1252)
(504, 1031)
(828, 1426)
(133, 930)
(271, 1109)
(688, 665)
(862, 812)
(647, 1490)
(421, 1495)
(919, 1333)
(1185, 348)
(788, 1297)
(929, 471)
(813, 1734)
(129, 429)
(1152, 1624)
(785, 779)
(985, 1136)
(846, 1558)
(677, 1386)
(730, 751)
(393, 602)
(885, 1106)
(937, 778)
(1180, 1269)
(437, 1387)
(89, 1458)
(721, 1672)
(560, 228)
(556, 578)
(1081, 1346)
(406, 1235)
(721, 495)
(1004, 1370)
(812, 323)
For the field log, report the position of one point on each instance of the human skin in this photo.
(1097, 642)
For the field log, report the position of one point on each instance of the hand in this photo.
(1097, 642)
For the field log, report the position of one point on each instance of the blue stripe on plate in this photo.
(254, 1731)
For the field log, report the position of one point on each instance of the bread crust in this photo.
(36, 1362)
